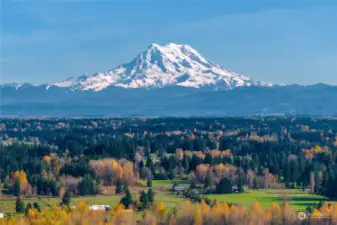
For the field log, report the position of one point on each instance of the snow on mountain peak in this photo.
(163, 65)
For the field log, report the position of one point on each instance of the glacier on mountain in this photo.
(161, 66)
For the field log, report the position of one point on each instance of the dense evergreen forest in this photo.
(257, 152)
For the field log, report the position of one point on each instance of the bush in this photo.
(19, 205)
(66, 198)
(36, 205)
(160, 176)
(210, 191)
(193, 195)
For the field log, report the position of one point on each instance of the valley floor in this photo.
(297, 198)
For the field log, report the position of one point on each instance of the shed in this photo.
(178, 188)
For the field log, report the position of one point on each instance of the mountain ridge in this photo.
(160, 66)
(170, 101)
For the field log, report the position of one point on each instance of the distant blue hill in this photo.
(29, 100)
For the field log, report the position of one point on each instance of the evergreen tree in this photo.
(19, 205)
(294, 171)
(240, 182)
(208, 159)
(208, 180)
(149, 163)
(127, 199)
(238, 161)
(149, 182)
(87, 186)
(143, 199)
(119, 186)
(224, 186)
(255, 183)
(325, 182)
(287, 175)
(217, 160)
(17, 189)
(186, 163)
(195, 161)
(126, 187)
(256, 161)
(66, 198)
(172, 174)
(150, 195)
(227, 160)
(330, 189)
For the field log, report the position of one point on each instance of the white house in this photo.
(2, 215)
(99, 207)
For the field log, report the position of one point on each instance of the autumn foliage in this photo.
(310, 153)
(19, 181)
(111, 170)
(185, 213)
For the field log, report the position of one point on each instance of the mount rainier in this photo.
(169, 80)
(161, 66)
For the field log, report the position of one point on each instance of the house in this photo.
(2, 215)
(178, 188)
(99, 207)
(235, 189)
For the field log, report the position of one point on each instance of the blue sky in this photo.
(289, 41)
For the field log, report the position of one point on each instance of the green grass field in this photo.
(167, 184)
(161, 189)
(297, 198)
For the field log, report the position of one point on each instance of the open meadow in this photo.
(160, 187)
(297, 198)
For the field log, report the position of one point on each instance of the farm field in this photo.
(296, 198)
(160, 187)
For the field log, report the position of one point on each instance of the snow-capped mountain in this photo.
(169, 80)
(161, 66)
(11, 85)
